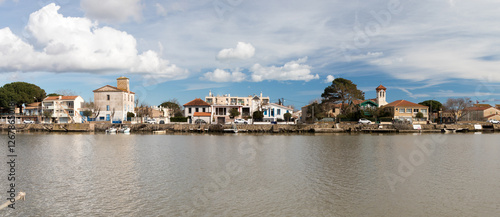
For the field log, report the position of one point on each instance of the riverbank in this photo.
(267, 128)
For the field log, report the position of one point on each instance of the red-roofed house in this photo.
(198, 109)
(480, 113)
(406, 110)
(64, 109)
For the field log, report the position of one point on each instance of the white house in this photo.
(64, 109)
(114, 102)
(273, 112)
(198, 109)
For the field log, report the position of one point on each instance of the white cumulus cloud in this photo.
(242, 51)
(293, 70)
(111, 10)
(220, 75)
(329, 79)
(74, 44)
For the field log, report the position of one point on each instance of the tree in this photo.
(171, 104)
(342, 91)
(457, 106)
(90, 105)
(258, 115)
(435, 105)
(20, 93)
(178, 114)
(130, 115)
(66, 92)
(87, 113)
(419, 115)
(317, 109)
(53, 94)
(234, 113)
(47, 114)
(287, 116)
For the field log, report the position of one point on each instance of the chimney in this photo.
(123, 84)
(261, 94)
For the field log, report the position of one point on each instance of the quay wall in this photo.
(250, 128)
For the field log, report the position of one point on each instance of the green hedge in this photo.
(385, 119)
(178, 119)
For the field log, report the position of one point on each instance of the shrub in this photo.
(178, 119)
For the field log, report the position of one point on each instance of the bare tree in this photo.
(457, 106)
(90, 105)
(66, 92)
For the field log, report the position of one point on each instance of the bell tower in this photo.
(381, 94)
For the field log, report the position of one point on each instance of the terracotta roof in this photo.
(482, 105)
(477, 108)
(489, 116)
(62, 98)
(122, 77)
(197, 102)
(202, 114)
(403, 103)
(357, 101)
(115, 89)
(380, 87)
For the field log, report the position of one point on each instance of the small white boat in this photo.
(111, 130)
(234, 129)
(124, 129)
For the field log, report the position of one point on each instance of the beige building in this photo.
(406, 111)
(480, 113)
(64, 109)
(114, 102)
(221, 105)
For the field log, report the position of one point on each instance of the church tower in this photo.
(381, 94)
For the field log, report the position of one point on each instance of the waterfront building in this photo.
(198, 109)
(114, 103)
(246, 106)
(406, 111)
(274, 112)
(480, 113)
(64, 109)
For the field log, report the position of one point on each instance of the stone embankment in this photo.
(259, 128)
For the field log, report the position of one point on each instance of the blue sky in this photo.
(419, 50)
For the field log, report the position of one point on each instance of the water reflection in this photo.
(257, 175)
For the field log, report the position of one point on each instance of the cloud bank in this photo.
(74, 44)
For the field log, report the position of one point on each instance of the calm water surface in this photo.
(256, 175)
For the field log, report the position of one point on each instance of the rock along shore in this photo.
(258, 128)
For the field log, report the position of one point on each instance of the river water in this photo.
(255, 175)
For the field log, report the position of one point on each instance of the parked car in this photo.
(151, 121)
(240, 121)
(493, 121)
(200, 121)
(364, 121)
(28, 121)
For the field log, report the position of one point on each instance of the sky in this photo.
(182, 49)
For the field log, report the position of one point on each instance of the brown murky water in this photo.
(256, 175)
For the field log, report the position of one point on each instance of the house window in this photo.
(423, 111)
(203, 109)
(107, 107)
(108, 97)
(189, 111)
(265, 112)
(220, 111)
(101, 118)
(196, 110)
(209, 101)
(408, 110)
(272, 112)
(108, 117)
(279, 111)
(415, 110)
